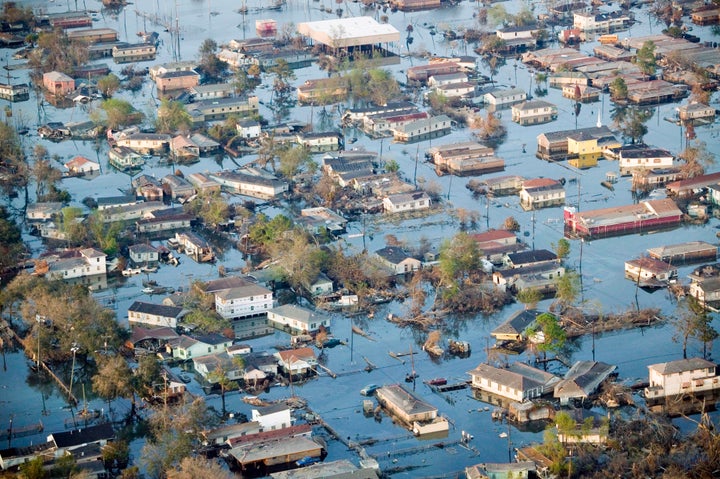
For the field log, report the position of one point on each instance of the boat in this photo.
(184, 378)
(149, 269)
(131, 271)
(436, 382)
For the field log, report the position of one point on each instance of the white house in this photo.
(248, 128)
(243, 301)
(319, 285)
(143, 253)
(518, 381)
(695, 111)
(605, 22)
(455, 90)
(541, 192)
(155, 314)
(646, 269)
(296, 361)
(642, 157)
(43, 211)
(447, 79)
(417, 200)
(82, 166)
(500, 98)
(272, 417)
(683, 376)
(534, 112)
(208, 364)
(253, 182)
(398, 260)
(297, 319)
(187, 347)
(76, 264)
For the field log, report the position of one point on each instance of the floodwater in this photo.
(23, 400)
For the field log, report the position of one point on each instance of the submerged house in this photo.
(692, 376)
(196, 247)
(517, 381)
(644, 216)
(297, 319)
(397, 260)
(534, 112)
(154, 314)
(515, 327)
(420, 416)
(541, 193)
(650, 272)
(583, 380)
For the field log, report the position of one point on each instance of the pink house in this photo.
(58, 83)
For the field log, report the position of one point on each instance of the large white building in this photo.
(243, 301)
(684, 376)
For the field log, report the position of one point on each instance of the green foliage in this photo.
(564, 423)
(529, 297)
(76, 316)
(459, 257)
(264, 231)
(618, 89)
(568, 287)
(72, 225)
(33, 469)
(211, 207)
(293, 160)
(561, 248)
(392, 166)
(553, 334)
(634, 126)
(119, 114)
(645, 58)
(108, 85)
(172, 117)
(13, 165)
(11, 244)
(105, 235)
(206, 320)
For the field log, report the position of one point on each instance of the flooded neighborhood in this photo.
(415, 238)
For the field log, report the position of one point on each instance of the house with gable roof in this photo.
(297, 319)
(397, 260)
(515, 327)
(155, 314)
(691, 376)
(189, 347)
(402, 202)
(80, 165)
(582, 380)
(517, 381)
(296, 362)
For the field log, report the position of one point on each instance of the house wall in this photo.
(493, 387)
(154, 319)
(243, 307)
(627, 165)
(686, 382)
(276, 420)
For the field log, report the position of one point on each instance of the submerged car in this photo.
(369, 390)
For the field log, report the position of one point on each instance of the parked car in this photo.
(369, 390)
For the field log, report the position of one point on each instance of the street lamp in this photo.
(74, 350)
(40, 320)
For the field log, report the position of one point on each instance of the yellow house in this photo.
(584, 150)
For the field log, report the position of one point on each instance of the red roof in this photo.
(77, 161)
(299, 354)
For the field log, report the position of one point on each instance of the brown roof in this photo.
(492, 235)
(650, 264)
(540, 183)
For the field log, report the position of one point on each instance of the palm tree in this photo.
(220, 376)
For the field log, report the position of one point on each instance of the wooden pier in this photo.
(13, 432)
